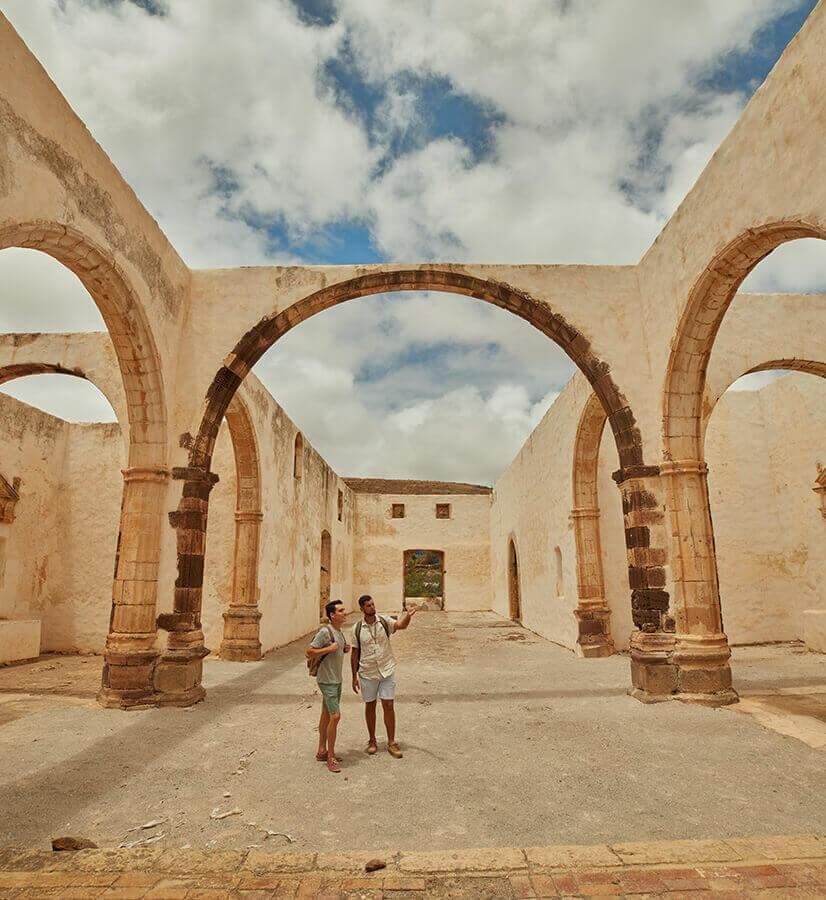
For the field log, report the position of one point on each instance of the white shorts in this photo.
(385, 689)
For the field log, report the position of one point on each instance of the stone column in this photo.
(653, 674)
(701, 651)
(131, 652)
(592, 613)
(179, 671)
(241, 642)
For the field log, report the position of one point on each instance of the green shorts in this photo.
(331, 697)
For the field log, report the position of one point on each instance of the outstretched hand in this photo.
(355, 684)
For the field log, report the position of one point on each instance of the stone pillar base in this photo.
(241, 643)
(127, 681)
(179, 671)
(594, 626)
(653, 672)
(704, 670)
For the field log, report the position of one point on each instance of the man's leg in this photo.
(369, 692)
(323, 724)
(332, 730)
(389, 712)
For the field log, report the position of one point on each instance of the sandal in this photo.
(394, 751)
(372, 748)
(321, 757)
(332, 764)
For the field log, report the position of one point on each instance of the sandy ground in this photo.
(508, 739)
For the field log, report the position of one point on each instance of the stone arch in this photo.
(23, 370)
(592, 613)
(700, 655)
(241, 641)
(514, 583)
(184, 626)
(130, 655)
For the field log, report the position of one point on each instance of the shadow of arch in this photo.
(130, 655)
(185, 642)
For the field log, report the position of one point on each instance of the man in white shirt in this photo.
(374, 669)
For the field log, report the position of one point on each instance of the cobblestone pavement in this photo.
(779, 866)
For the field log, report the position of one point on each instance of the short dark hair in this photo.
(330, 608)
(364, 598)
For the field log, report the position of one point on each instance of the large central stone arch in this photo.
(130, 654)
(180, 670)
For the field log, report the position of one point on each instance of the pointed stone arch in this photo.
(130, 655)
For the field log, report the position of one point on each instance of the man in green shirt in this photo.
(331, 645)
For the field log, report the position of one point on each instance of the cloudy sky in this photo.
(339, 131)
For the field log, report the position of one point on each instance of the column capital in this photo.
(585, 512)
(156, 474)
(248, 515)
(684, 467)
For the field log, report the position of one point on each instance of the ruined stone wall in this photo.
(464, 538)
(762, 449)
(32, 445)
(532, 503)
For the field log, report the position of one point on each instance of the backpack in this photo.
(314, 662)
(360, 622)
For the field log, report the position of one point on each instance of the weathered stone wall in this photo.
(464, 538)
(762, 449)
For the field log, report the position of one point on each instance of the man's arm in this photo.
(312, 650)
(404, 619)
(354, 665)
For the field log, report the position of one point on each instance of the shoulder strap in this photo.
(358, 633)
(385, 625)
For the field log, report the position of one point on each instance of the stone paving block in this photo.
(522, 887)
(543, 886)
(657, 852)
(572, 856)
(799, 846)
(284, 861)
(403, 883)
(487, 859)
(355, 860)
(189, 861)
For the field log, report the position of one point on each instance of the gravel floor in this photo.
(508, 740)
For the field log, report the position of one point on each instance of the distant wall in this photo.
(762, 449)
(60, 549)
(464, 538)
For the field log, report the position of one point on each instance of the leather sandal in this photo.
(394, 751)
(371, 748)
(332, 764)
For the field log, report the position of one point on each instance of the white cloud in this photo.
(234, 96)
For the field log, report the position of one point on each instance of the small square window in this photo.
(442, 510)
(398, 511)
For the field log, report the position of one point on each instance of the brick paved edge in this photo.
(754, 850)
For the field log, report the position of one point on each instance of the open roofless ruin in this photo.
(227, 530)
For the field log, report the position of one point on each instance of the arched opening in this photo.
(130, 657)
(592, 613)
(514, 597)
(701, 652)
(241, 634)
(65, 451)
(326, 572)
(184, 623)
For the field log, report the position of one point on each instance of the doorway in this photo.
(513, 584)
(424, 579)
